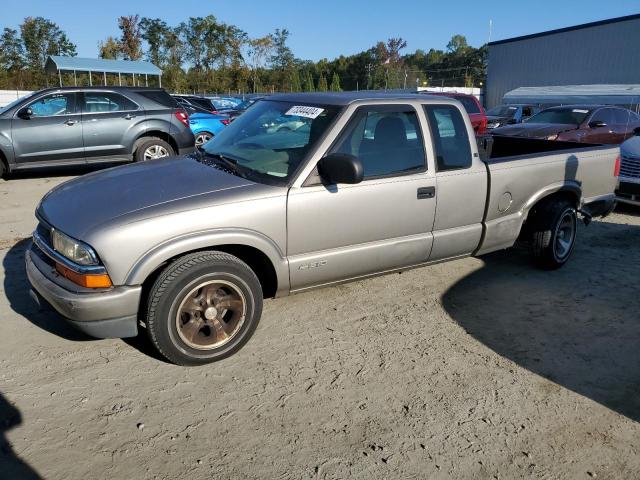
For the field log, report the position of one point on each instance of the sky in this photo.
(328, 28)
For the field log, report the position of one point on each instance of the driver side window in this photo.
(386, 140)
(53, 105)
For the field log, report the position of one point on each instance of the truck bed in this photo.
(521, 171)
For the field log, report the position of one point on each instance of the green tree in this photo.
(322, 83)
(335, 83)
(41, 38)
(457, 44)
(294, 81)
(109, 49)
(308, 85)
(131, 37)
(11, 51)
(154, 31)
(259, 51)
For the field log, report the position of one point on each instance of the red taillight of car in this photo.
(226, 121)
(183, 117)
(616, 169)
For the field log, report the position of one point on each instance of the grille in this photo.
(630, 167)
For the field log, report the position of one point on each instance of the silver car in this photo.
(372, 183)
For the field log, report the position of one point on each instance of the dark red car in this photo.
(473, 107)
(577, 123)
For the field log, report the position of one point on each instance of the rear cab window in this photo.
(450, 137)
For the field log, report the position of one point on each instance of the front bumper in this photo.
(628, 191)
(101, 313)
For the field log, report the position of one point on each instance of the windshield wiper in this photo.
(226, 162)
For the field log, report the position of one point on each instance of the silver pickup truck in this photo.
(348, 186)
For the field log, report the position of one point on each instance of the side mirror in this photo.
(636, 132)
(341, 168)
(25, 113)
(597, 124)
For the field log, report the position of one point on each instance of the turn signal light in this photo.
(87, 281)
(616, 169)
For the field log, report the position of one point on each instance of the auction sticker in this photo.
(306, 112)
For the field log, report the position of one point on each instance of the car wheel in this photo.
(202, 138)
(555, 227)
(153, 148)
(203, 307)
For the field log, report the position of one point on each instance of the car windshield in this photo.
(502, 111)
(271, 140)
(8, 107)
(568, 116)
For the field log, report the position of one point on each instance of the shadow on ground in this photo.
(54, 172)
(16, 287)
(578, 326)
(11, 467)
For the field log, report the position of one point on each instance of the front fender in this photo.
(160, 254)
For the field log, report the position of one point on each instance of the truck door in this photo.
(51, 133)
(461, 181)
(338, 232)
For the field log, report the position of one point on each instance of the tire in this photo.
(203, 137)
(554, 231)
(203, 307)
(148, 146)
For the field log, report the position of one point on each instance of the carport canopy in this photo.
(58, 64)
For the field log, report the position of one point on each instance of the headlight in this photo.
(74, 250)
(493, 125)
(551, 137)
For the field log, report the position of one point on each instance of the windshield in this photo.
(502, 111)
(6, 108)
(270, 140)
(569, 116)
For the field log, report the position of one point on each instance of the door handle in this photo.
(128, 116)
(71, 122)
(426, 192)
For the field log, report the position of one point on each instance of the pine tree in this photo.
(295, 81)
(335, 83)
(308, 83)
(322, 83)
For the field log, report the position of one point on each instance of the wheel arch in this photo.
(257, 251)
(162, 135)
(570, 191)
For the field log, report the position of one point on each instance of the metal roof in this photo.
(567, 29)
(57, 63)
(584, 94)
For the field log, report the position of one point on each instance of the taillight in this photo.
(616, 169)
(226, 121)
(183, 117)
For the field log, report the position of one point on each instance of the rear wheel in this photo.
(204, 307)
(153, 148)
(554, 230)
(202, 138)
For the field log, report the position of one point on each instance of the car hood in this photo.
(137, 191)
(631, 147)
(533, 130)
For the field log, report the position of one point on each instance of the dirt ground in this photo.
(479, 368)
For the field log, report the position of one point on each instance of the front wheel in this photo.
(555, 226)
(203, 307)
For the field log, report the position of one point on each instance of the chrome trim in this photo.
(56, 257)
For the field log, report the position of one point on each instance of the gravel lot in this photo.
(479, 368)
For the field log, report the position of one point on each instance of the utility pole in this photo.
(369, 67)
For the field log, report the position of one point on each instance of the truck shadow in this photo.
(16, 288)
(577, 326)
(11, 465)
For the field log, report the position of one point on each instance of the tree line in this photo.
(203, 54)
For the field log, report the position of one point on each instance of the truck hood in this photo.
(533, 130)
(82, 204)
